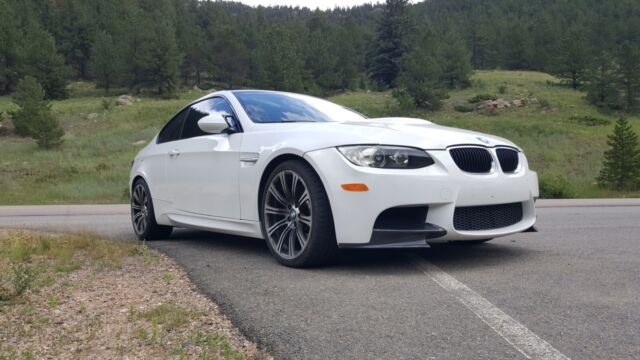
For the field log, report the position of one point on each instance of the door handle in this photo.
(173, 153)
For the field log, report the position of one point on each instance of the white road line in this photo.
(516, 334)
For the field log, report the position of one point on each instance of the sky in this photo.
(313, 4)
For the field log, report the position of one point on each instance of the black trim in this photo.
(487, 217)
(173, 118)
(509, 159)
(479, 145)
(472, 159)
(400, 238)
(402, 218)
(232, 131)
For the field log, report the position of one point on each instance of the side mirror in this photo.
(213, 124)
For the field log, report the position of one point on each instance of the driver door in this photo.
(202, 169)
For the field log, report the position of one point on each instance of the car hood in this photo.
(388, 131)
(423, 134)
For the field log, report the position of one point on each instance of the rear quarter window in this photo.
(173, 129)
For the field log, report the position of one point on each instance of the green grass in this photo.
(92, 166)
(170, 316)
(555, 143)
(31, 260)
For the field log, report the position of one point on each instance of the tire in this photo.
(143, 217)
(296, 221)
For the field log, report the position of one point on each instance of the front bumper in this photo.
(442, 187)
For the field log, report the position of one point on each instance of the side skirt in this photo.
(221, 225)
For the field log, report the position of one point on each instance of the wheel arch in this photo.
(269, 169)
(135, 178)
(273, 164)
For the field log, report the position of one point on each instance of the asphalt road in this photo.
(571, 290)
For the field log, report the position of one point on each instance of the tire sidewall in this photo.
(321, 222)
(151, 213)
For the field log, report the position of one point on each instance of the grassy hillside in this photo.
(554, 130)
(93, 164)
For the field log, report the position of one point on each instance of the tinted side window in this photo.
(200, 110)
(172, 130)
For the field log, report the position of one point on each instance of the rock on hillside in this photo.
(124, 100)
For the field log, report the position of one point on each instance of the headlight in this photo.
(386, 157)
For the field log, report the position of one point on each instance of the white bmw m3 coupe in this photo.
(310, 176)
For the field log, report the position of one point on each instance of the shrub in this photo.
(556, 187)
(478, 83)
(47, 131)
(3, 128)
(465, 108)
(405, 101)
(482, 97)
(28, 96)
(545, 104)
(107, 104)
(34, 117)
(23, 276)
(590, 120)
(621, 163)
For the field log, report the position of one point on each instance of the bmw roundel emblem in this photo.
(484, 140)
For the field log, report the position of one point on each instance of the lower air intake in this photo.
(487, 217)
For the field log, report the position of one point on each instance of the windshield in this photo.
(274, 107)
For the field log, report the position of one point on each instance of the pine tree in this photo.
(391, 43)
(573, 58)
(106, 61)
(279, 61)
(9, 42)
(74, 28)
(479, 44)
(230, 56)
(602, 89)
(621, 164)
(518, 47)
(454, 61)
(346, 66)
(153, 56)
(192, 41)
(322, 57)
(34, 117)
(420, 80)
(629, 75)
(163, 72)
(38, 57)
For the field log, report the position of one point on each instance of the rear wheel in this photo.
(296, 216)
(143, 216)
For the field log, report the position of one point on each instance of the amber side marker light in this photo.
(355, 187)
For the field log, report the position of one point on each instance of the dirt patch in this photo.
(143, 306)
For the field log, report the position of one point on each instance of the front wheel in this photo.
(143, 216)
(296, 216)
